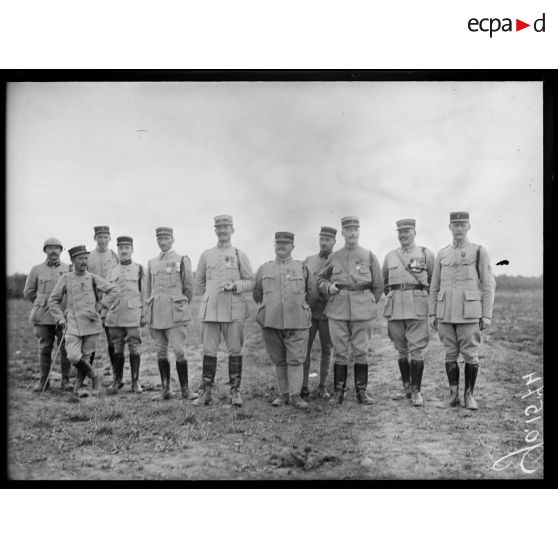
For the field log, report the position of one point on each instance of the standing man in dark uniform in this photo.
(39, 284)
(319, 321)
(407, 272)
(82, 314)
(223, 274)
(169, 285)
(286, 288)
(352, 278)
(101, 260)
(126, 318)
(460, 304)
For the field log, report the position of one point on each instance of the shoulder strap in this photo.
(94, 285)
(237, 259)
(478, 260)
(140, 275)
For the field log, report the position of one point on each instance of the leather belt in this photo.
(407, 287)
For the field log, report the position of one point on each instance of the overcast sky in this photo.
(277, 156)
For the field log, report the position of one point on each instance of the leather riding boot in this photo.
(78, 385)
(339, 383)
(235, 375)
(417, 368)
(111, 353)
(65, 372)
(361, 383)
(182, 370)
(471, 371)
(134, 370)
(118, 373)
(209, 368)
(305, 393)
(164, 371)
(44, 365)
(405, 370)
(84, 370)
(452, 371)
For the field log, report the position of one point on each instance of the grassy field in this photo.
(57, 436)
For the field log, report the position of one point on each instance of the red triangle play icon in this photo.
(519, 25)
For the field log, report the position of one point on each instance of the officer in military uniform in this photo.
(39, 284)
(126, 317)
(407, 272)
(460, 304)
(352, 278)
(82, 315)
(169, 290)
(101, 260)
(286, 288)
(319, 321)
(223, 274)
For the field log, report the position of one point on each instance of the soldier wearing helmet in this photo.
(39, 284)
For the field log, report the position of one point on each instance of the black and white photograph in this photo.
(274, 280)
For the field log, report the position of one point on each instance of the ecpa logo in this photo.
(492, 25)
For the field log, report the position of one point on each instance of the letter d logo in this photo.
(536, 24)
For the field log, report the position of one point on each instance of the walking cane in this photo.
(55, 357)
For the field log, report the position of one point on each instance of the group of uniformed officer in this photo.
(333, 294)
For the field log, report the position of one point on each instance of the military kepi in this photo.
(223, 220)
(101, 229)
(52, 241)
(328, 231)
(77, 250)
(459, 217)
(283, 236)
(124, 240)
(159, 231)
(350, 222)
(405, 224)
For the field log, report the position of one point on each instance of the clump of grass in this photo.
(79, 416)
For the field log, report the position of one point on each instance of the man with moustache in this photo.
(223, 274)
(353, 280)
(286, 288)
(101, 260)
(169, 290)
(460, 305)
(407, 272)
(39, 284)
(82, 314)
(126, 317)
(319, 321)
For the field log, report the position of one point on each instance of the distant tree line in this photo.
(511, 282)
(16, 282)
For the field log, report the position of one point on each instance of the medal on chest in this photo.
(416, 265)
(170, 267)
(230, 262)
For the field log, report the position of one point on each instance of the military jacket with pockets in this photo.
(81, 316)
(458, 293)
(356, 268)
(315, 264)
(128, 308)
(217, 266)
(169, 288)
(412, 304)
(101, 264)
(285, 289)
(39, 284)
